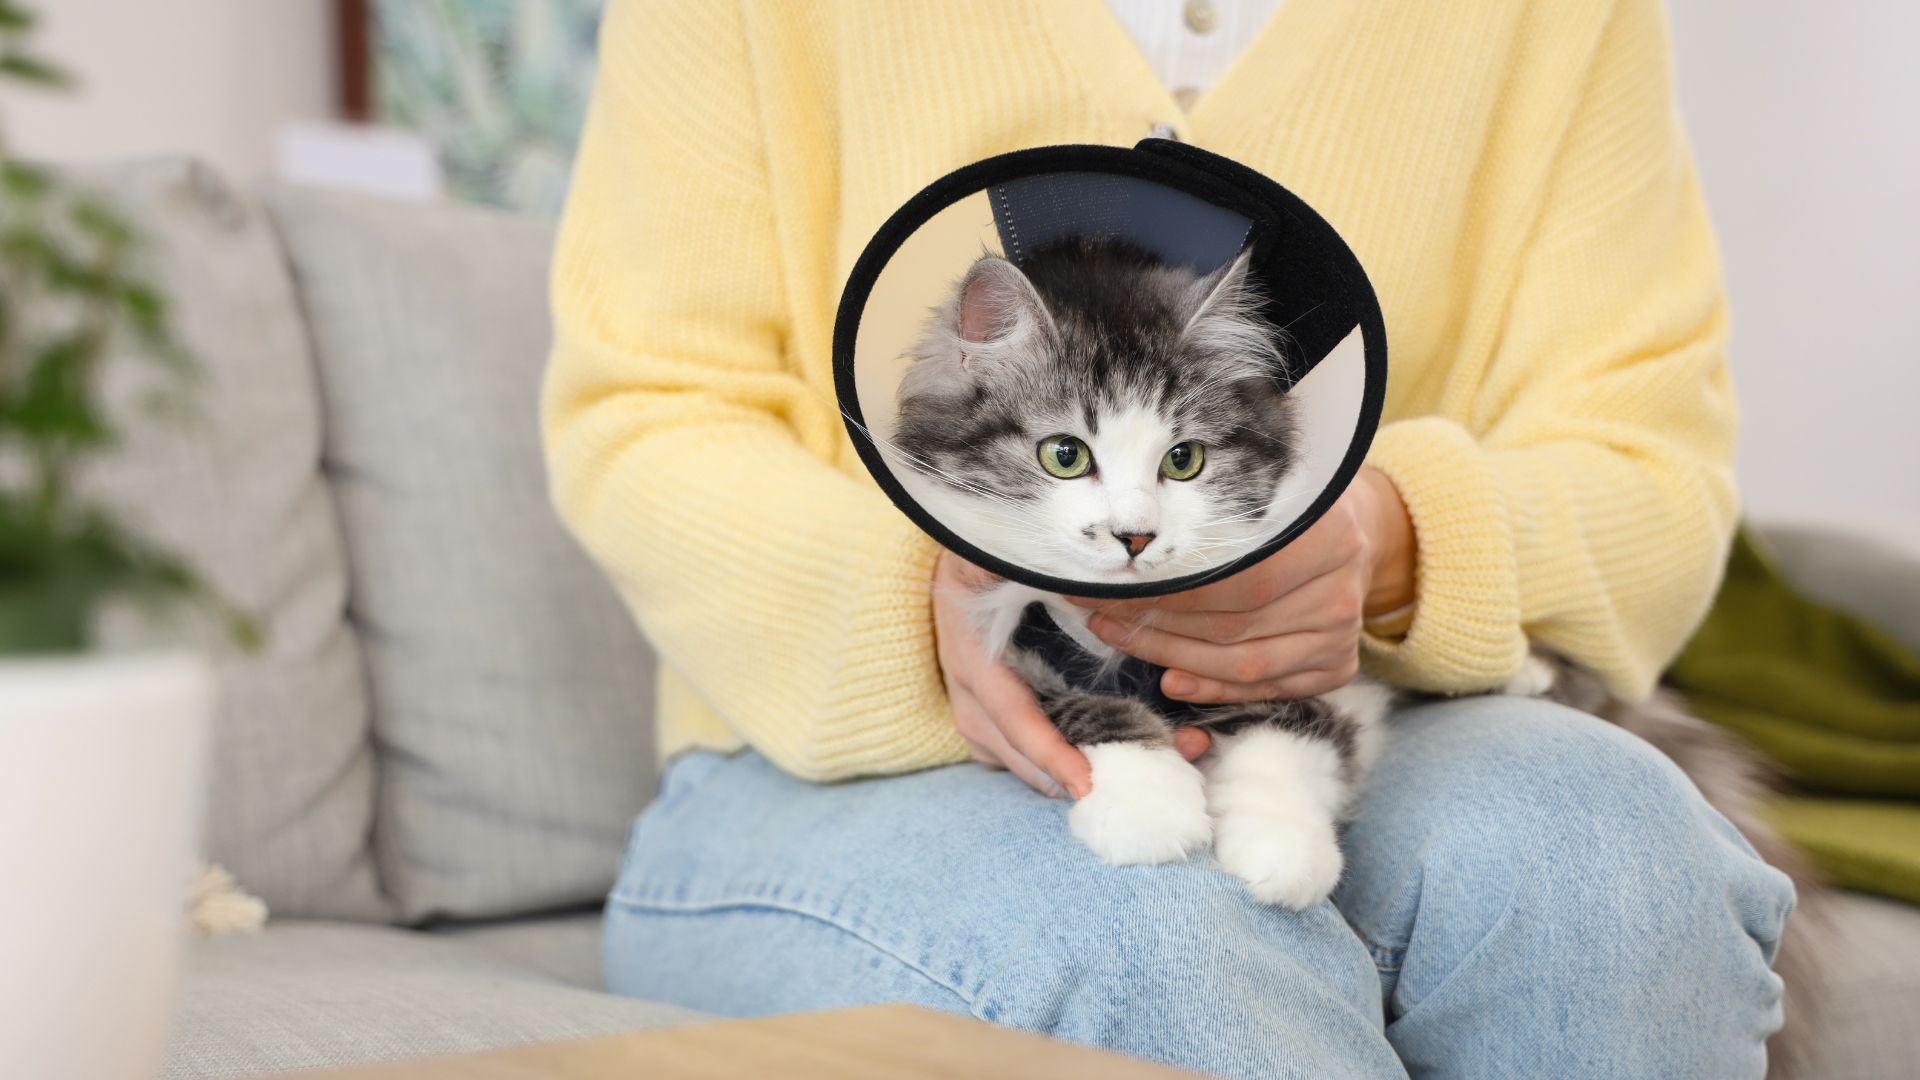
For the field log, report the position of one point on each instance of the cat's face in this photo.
(1099, 416)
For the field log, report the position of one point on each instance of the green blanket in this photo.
(1833, 699)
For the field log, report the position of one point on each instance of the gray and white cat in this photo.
(1097, 415)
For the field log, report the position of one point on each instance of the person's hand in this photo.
(1288, 627)
(993, 709)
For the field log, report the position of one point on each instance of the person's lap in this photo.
(1528, 892)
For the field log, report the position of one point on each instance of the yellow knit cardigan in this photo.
(1512, 175)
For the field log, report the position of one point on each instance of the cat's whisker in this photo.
(1258, 512)
(1212, 548)
(921, 464)
(1246, 516)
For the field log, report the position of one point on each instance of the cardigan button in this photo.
(1201, 16)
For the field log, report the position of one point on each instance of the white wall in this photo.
(210, 77)
(1805, 119)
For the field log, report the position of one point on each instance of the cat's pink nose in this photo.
(1134, 542)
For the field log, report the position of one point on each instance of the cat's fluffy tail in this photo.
(1735, 779)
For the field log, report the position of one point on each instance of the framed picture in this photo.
(498, 87)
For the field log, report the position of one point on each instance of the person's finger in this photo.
(975, 729)
(1028, 731)
(1186, 686)
(989, 747)
(1017, 764)
(994, 751)
(1249, 662)
(1191, 742)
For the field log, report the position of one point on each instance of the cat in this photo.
(1098, 415)
(1095, 359)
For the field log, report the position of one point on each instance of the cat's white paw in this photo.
(1291, 861)
(1148, 805)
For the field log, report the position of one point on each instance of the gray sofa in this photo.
(429, 772)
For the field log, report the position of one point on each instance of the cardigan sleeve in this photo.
(1584, 497)
(686, 451)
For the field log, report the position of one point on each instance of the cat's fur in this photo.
(1100, 341)
(1097, 339)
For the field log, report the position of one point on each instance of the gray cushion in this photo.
(314, 995)
(511, 690)
(237, 490)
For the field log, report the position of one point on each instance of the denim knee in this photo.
(1179, 963)
(1493, 809)
(1531, 777)
(1607, 810)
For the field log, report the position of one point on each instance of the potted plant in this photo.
(100, 751)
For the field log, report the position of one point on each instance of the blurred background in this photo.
(1801, 115)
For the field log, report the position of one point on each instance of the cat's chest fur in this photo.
(1048, 627)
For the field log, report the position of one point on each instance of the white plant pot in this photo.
(101, 789)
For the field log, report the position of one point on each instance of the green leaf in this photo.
(28, 69)
(26, 539)
(48, 590)
(68, 303)
(23, 181)
(55, 404)
(16, 18)
(147, 319)
(144, 307)
(101, 222)
(43, 617)
(34, 250)
(29, 246)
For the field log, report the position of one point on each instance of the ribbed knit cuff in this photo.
(1465, 635)
(888, 671)
(885, 710)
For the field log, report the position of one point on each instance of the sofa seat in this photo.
(310, 994)
(565, 948)
(1870, 1029)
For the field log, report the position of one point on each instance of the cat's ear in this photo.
(997, 310)
(1224, 293)
(1226, 323)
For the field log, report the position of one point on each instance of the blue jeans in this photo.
(1529, 893)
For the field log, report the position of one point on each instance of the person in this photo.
(1528, 892)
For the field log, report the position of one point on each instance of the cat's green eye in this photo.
(1183, 461)
(1065, 456)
